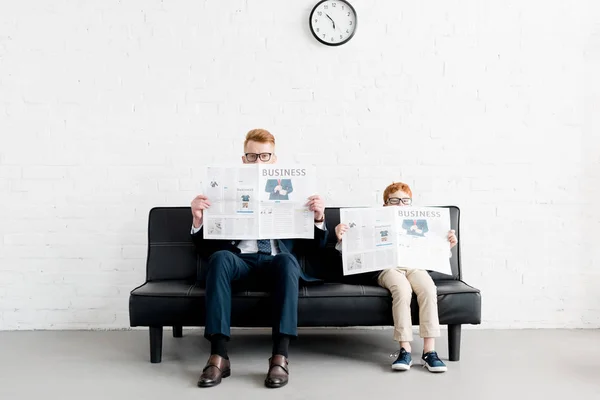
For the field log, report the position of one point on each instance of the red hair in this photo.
(260, 136)
(394, 187)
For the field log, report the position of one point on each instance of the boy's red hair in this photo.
(394, 187)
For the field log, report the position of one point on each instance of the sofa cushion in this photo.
(331, 304)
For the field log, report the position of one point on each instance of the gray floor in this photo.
(325, 364)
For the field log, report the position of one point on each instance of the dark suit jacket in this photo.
(296, 247)
(286, 184)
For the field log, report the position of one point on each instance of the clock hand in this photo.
(331, 20)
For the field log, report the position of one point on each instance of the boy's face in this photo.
(259, 153)
(399, 198)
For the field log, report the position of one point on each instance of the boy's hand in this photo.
(452, 238)
(340, 230)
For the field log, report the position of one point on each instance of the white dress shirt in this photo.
(251, 246)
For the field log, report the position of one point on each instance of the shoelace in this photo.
(432, 357)
(397, 353)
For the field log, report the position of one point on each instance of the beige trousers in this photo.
(401, 283)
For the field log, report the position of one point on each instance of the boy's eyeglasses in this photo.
(407, 201)
(252, 157)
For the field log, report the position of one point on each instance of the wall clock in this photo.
(333, 22)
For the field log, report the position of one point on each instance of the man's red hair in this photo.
(260, 136)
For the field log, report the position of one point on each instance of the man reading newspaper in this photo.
(273, 262)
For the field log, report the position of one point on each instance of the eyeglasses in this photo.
(252, 157)
(407, 201)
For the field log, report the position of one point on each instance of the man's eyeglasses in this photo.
(252, 157)
(407, 201)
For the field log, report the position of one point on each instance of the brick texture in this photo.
(110, 108)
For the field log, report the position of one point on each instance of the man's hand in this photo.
(283, 192)
(199, 204)
(277, 189)
(316, 205)
(340, 230)
(452, 238)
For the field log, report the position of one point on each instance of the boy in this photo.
(401, 282)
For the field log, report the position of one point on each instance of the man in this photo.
(272, 261)
(415, 227)
(279, 189)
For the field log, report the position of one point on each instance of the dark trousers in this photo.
(281, 273)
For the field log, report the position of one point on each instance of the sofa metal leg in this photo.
(178, 331)
(156, 335)
(454, 341)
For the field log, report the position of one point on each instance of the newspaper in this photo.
(260, 201)
(388, 237)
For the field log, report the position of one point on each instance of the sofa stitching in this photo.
(190, 289)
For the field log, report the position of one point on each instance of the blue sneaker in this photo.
(433, 362)
(403, 362)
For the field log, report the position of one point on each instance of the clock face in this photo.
(333, 22)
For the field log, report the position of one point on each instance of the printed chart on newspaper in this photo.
(370, 242)
(285, 190)
(423, 238)
(261, 201)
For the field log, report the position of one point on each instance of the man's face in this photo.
(398, 198)
(259, 153)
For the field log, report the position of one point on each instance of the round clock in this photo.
(333, 22)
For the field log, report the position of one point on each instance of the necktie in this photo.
(264, 246)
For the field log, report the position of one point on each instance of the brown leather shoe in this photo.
(216, 368)
(278, 372)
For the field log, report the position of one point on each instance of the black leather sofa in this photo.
(173, 296)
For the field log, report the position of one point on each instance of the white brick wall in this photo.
(109, 108)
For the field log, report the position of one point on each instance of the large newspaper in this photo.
(388, 237)
(260, 201)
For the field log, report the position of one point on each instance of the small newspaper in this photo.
(260, 201)
(388, 237)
